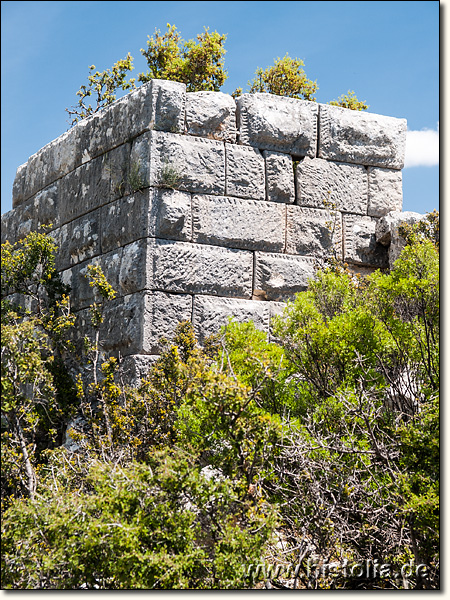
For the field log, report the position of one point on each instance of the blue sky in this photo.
(387, 52)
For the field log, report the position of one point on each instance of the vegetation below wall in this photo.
(318, 452)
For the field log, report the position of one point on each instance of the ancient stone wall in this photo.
(198, 206)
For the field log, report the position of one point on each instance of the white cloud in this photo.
(422, 148)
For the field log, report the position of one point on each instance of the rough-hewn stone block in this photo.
(314, 232)
(385, 191)
(134, 324)
(279, 276)
(210, 314)
(190, 164)
(386, 231)
(78, 240)
(201, 269)
(321, 183)
(360, 245)
(280, 185)
(211, 115)
(238, 223)
(150, 213)
(245, 176)
(272, 122)
(359, 137)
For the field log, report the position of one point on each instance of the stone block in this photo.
(211, 313)
(359, 137)
(245, 172)
(18, 191)
(385, 191)
(271, 122)
(360, 245)
(85, 189)
(279, 276)
(322, 183)
(46, 206)
(314, 232)
(200, 269)
(238, 223)
(280, 185)
(135, 323)
(190, 164)
(135, 368)
(211, 115)
(82, 294)
(19, 222)
(386, 231)
(151, 213)
(78, 240)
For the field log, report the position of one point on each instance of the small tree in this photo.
(350, 101)
(199, 64)
(103, 87)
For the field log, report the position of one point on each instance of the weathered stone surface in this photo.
(78, 240)
(238, 223)
(359, 137)
(211, 313)
(386, 231)
(172, 213)
(360, 245)
(314, 232)
(134, 324)
(385, 191)
(245, 173)
(82, 294)
(272, 122)
(18, 191)
(321, 183)
(19, 222)
(135, 368)
(190, 164)
(279, 276)
(211, 115)
(84, 189)
(201, 269)
(280, 185)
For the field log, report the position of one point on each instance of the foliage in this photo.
(349, 100)
(285, 78)
(103, 86)
(199, 64)
(37, 396)
(326, 437)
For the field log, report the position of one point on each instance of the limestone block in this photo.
(359, 137)
(157, 105)
(280, 185)
(19, 222)
(46, 206)
(200, 269)
(314, 232)
(190, 164)
(320, 183)
(386, 231)
(151, 213)
(18, 191)
(82, 294)
(135, 368)
(135, 267)
(85, 189)
(385, 191)
(360, 245)
(78, 240)
(272, 122)
(279, 276)
(211, 313)
(122, 172)
(135, 323)
(245, 173)
(171, 216)
(238, 223)
(211, 115)
(125, 220)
